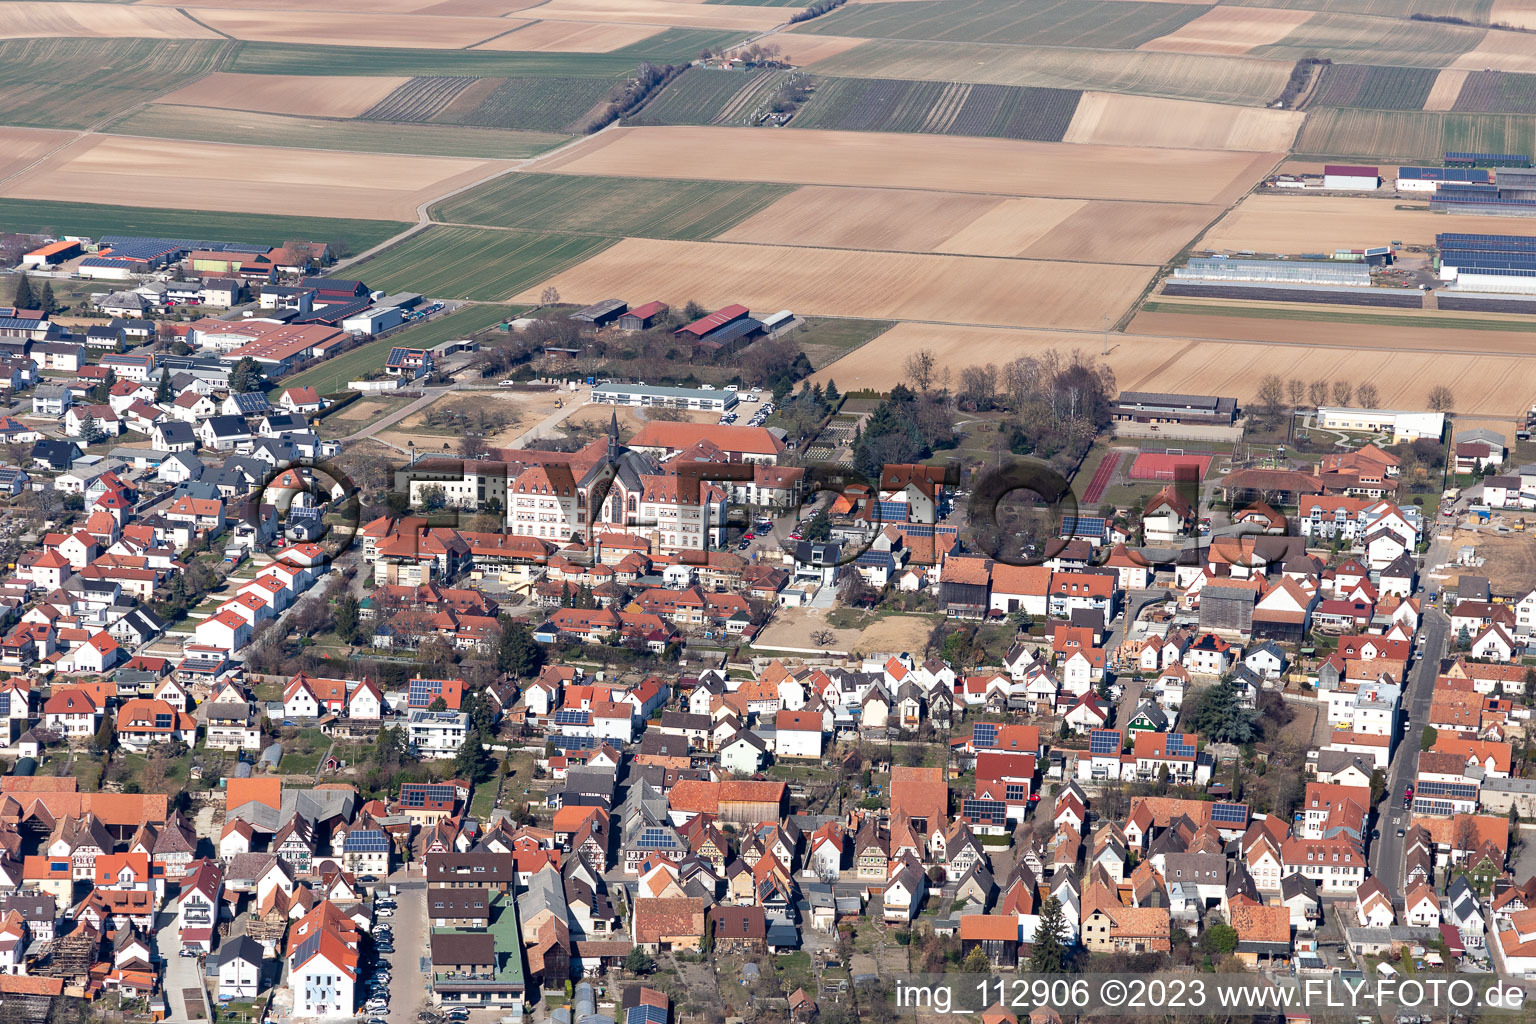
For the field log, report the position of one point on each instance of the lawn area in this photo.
(474, 263)
(639, 207)
(331, 376)
(93, 219)
(484, 800)
(302, 750)
(825, 340)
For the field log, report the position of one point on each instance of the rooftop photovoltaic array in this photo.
(572, 716)
(984, 734)
(1450, 790)
(185, 243)
(1103, 741)
(419, 794)
(656, 839)
(645, 1014)
(1229, 814)
(977, 809)
(1176, 747)
(573, 742)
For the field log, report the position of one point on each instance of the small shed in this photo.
(600, 314)
(642, 317)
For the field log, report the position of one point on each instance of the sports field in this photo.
(647, 207)
(473, 263)
(869, 285)
(998, 166)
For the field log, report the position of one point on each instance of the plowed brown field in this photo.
(998, 166)
(875, 285)
(1297, 224)
(1230, 31)
(28, 19)
(20, 146)
(1446, 88)
(341, 96)
(253, 179)
(1507, 51)
(1116, 119)
(571, 37)
(408, 30)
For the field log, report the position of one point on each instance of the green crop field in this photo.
(672, 46)
(1411, 135)
(76, 83)
(1498, 92)
(202, 124)
(708, 96)
(332, 375)
(639, 207)
(946, 108)
(826, 340)
(1383, 88)
(1104, 24)
(1356, 39)
(538, 104)
(1470, 10)
(91, 220)
(1177, 75)
(475, 263)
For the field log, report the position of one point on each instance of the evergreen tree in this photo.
(103, 391)
(91, 432)
(1218, 715)
(473, 761)
(163, 393)
(106, 736)
(1049, 954)
(46, 302)
(638, 961)
(519, 654)
(347, 618)
(24, 299)
(831, 394)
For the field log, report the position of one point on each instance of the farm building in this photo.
(1487, 160)
(672, 398)
(781, 322)
(374, 320)
(1351, 178)
(1157, 407)
(51, 254)
(1511, 193)
(1402, 424)
(1322, 272)
(1374, 256)
(704, 326)
(1428, 179)
(1488, 263)
(600, 314)
(643, 317)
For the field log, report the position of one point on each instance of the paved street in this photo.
(1386, 860)
(408, 984)
(181, 972)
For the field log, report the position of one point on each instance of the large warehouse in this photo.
(1488, 263)
(1160, 407)
(1402, 424)
(1334, 274)
(672, 398)
(1512, 192)
(1427, 179)
(1350, 178)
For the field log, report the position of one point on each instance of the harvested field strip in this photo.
(764, 3)
(204, 124)
(293, 59)
(76, 83)
(279, 94)
(887, 104)
(887, 160)
(1177, 75)
(1519, 13)
(1410, 136)
(470, 263)
(1102, 475)
(1381, 88)
(1111, 119)
(803, 50)
(684, 14)
(1497, 92)
(60, 19)
(707, 96)
(1102, 24)
(869, 285)
(1447, 90)
(372, 29)
(1470, 10)
(20, 146)
(1230, 30)
(92, 220)
(1168, 361)
(1355, 39)
(137, 172)
(419, 99)
(1260, 312)
(1507, 51)
(643, 207)
(571, 37)
(1396, 298)
(1290, 225)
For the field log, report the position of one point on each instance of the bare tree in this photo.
(1441, 398)
(1317, 392)
(978, 386)
(1271, 394)
(549, 296)
(1021, 378)
(823, 637)
(921, 367)
(1342, 391)
(1367, 395)
(1296, 391)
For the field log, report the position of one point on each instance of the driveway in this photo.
(181, 973)
(408, 981)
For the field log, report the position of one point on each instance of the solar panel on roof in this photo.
(1229, 814)
(1439, 808)
(984, 734)
(645, 1014)
(1176, 747)
(571, 716)
(1103, 741)
(574, 742)
(653, 838)
(977, 809)
(1452, 790)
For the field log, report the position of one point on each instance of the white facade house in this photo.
(798, 734)
(1401, 424)
(436, 735)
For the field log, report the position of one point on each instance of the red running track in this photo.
(1101, 478)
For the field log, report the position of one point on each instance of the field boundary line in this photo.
(203, 24)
